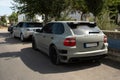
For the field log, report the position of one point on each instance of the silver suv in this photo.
(25, 30)
(69, 41)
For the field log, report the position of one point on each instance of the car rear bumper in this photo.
(83, 55)
(28, 34)
(77, 59)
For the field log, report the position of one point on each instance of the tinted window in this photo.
(33, 25)
(47, 28)
(84, 28)
(20, 24)
(58, 28)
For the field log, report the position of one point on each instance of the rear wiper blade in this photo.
(93, 32)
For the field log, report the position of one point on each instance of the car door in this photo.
(45, 37)
(54, 30)
(57, 34)
(17, 29)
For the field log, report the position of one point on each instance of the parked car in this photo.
(25, 30)
(69, 41)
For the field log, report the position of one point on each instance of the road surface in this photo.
(18, 61)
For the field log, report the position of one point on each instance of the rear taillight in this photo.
(105, 39)
(70, 42)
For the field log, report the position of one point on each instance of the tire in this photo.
(54, 57)
(22, 38)
(34, 44)
(96, 60)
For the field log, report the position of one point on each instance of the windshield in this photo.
(33, 25)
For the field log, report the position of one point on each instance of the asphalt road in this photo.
(18, 61)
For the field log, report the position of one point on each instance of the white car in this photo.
(25, 30)
(69, 41)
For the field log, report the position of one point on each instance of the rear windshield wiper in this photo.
(93, 32)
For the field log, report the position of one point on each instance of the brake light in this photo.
(105, 39)
(70, 42)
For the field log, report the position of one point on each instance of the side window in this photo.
(58, 28)
(25, 25)
(20, 24)
(47, 28)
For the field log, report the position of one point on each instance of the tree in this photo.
(114, 7)
(13, 17)
(95, 6)
(51, 8)
(54, 8)
(88, 6)
(3, 20)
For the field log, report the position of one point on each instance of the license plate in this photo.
(87, 45)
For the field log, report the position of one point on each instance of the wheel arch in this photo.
(54, 60)
(33, 39)
(51, 46)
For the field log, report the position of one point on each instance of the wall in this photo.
(114, 44)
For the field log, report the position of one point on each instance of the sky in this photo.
(5, 7)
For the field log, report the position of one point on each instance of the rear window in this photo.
(84, 28)
(33, 25)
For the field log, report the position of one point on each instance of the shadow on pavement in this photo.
(112, 63)
(4, 34)
(38, 62)
(8, 39)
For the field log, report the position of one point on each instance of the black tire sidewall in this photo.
(34, 44)
(54, 55)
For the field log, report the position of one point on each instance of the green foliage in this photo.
(104, 21)
(1, 23)
(114, 7)
(94, 6)
(3, 20)
(112, 2)
(53, 9)
(13, 17)
(79, 5)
